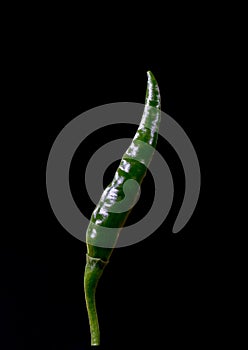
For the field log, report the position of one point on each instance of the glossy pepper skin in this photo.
(133, 166)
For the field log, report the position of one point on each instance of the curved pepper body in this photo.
(108, 212)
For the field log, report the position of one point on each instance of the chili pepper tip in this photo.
(150, 74)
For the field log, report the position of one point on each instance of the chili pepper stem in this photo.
(93, 271)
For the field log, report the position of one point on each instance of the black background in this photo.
(164, 291)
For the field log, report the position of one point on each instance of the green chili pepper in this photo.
(117, 200)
